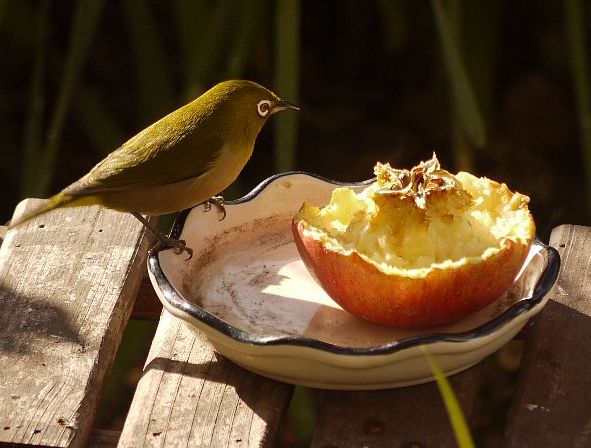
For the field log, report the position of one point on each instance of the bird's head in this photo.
(245, 104)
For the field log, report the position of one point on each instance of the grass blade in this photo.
(287, 69)
(454, 411)
(575, 29)
(462, 92)
(302, 416)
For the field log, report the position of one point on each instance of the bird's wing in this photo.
(150, 158)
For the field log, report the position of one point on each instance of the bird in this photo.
(184, 159)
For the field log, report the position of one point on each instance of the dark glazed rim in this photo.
(543, 286)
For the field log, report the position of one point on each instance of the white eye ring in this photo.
(264, 107)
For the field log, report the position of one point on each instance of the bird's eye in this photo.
(263, 107)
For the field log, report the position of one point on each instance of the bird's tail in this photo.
(56, 201)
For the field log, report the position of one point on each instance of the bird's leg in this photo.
(218, 201)
(179, 246)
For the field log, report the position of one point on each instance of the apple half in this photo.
(417, 248)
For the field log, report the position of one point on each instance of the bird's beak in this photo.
(283, 105)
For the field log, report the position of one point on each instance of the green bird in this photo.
(183, 159)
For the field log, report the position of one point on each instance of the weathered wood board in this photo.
(147, 304)
(407, 417)
(552, 405)
(104, 438)
(67, 284)
(189, 396)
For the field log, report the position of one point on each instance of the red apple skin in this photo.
(441, 297)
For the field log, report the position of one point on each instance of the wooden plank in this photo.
(67, 284)
(104, 438)
(551, 405)
(147, 305)
(190, 396)
(3, 230)
(406, 417)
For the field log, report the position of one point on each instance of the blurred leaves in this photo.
(463, 95)
(3, 6)
(395, 24)
(33, 137)
(374, 66)
(202, 28)
(41, 151)
(96, 121)
(210, 49)
(577, 37)
(216, 39)
(70, 92)
(251, 16)
(287, 73)
(155, 97)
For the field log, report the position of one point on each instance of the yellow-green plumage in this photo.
(179, 161)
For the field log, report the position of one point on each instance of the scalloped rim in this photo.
(176, 301)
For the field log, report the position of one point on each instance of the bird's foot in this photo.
(218, 201)
(178, 246)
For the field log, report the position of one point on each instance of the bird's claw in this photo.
(178, 246)
(218, 201)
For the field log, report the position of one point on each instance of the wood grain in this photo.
(68, 280)
(147, 304)
(551, 405)
(407, 417)
(104, 438)
(190, 396)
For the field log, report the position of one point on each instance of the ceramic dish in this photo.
(248, 291)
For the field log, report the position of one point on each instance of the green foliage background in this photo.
(497, 87)
(500, 88)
